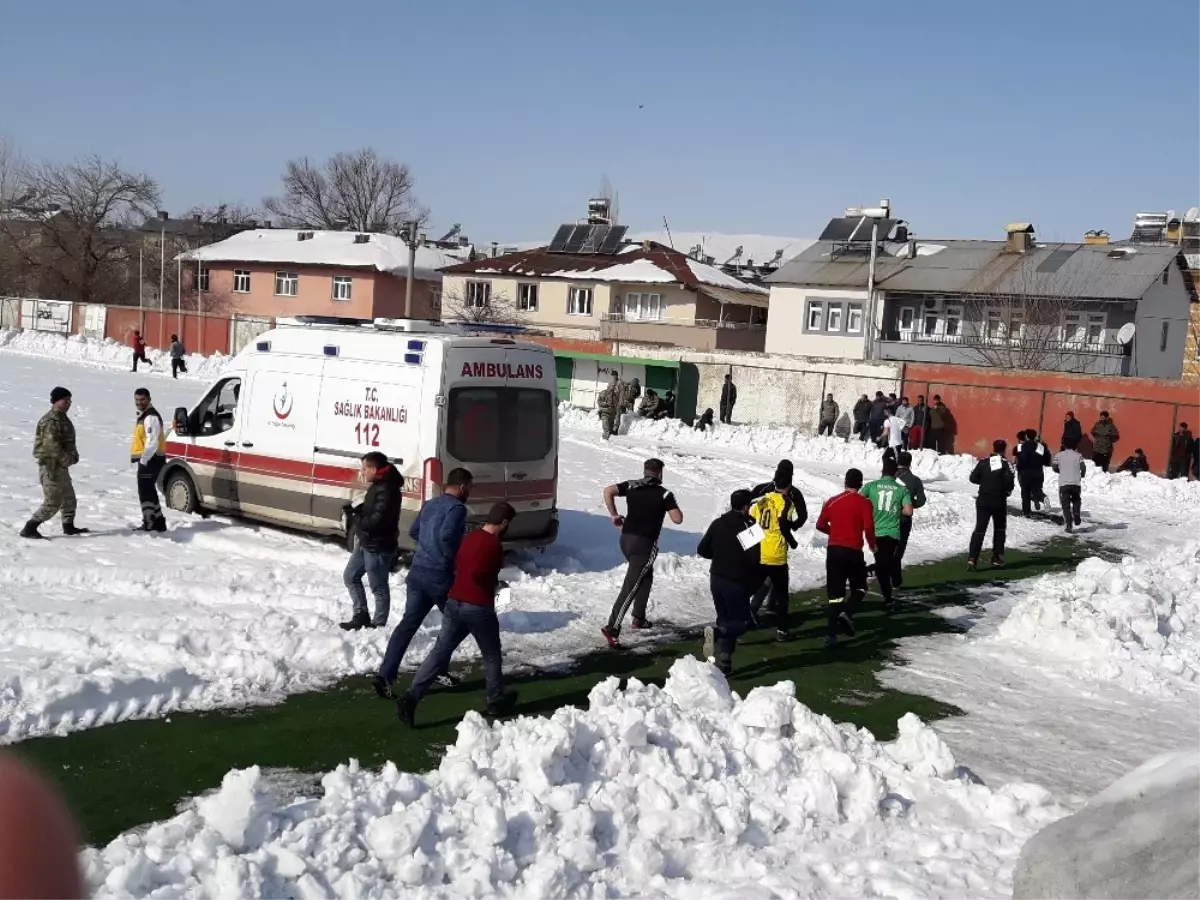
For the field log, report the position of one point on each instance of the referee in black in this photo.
(647, 503)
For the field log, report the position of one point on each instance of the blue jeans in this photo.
(459, 620)
(731, 599)
(425, 590)
(377, 567)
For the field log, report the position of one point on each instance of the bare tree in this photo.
(235, 214)
(12, 168)
(357, 191)
(76, 237)
(496, 309)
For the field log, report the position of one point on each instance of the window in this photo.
(908, 316)
(579, 301)
(1095, 327)
(1162, 344)
(816, 316)
(435, 299)
(527, 297)
(1016, 324)
(993, 325)
(474, 432)
(287, 284)
(932, 321)
(834, 318)
(479, 294)
(341, 287)
(643, 307)
(201, 278)
(953, 321)
(215, 413)
(241, 281)
(1166, 274)
(1084, 328)
(854, 314)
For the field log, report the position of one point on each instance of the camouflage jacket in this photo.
(630, 394)
(607, 402)
(54, 441)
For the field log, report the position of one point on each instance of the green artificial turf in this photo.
(124, 775)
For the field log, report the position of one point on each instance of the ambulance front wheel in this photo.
(181, 494)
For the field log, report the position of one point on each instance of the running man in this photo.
(917, 489)
(794, 518)
(1069, 466)
(996, 482)
(891, 503)
(776, 513)
(849, 521)
(734, 573)
(647, 503)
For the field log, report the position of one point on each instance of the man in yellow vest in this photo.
(149, 451)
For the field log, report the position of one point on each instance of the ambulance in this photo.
(279, 436)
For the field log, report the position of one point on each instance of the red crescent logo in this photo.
(282, 404)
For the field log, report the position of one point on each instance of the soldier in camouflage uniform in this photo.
(609, 405)
(54, 450)
(630, 394)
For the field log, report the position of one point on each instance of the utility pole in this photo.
(875, 214)
(411, 239)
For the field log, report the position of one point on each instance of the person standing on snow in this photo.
(891, 503)
(829, 416)
(608, 403)
(1033, 458)
(920, 421)
(1072, 431)
(916, 490)
(139, 349)
(939, 425)
(178, 364)
(1104, 435)
(1069, 466)
(893, 432)
(470, 610)
(996, 483)
(647, 503)
(905, 412)
(780, 511)
(877, 416)
(630, 395)
(55, 452)
(438, 532)
(733, 575)
(1181, 452)
(849, 521)
(862, 413)
(148, 450)
(377, 531)
(728, 399)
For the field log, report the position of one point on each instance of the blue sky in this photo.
(749, 117)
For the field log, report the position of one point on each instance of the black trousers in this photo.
(937, 440)
(905, 531)
(825, 428)
(997, 515)
(640, 552)
(887, 564)
(731, 599)
(139, 356)
(1101, 460)
(774, 589)
(178, 365)
(844, 567)
(1070, 497)
(727, 413)
(1031, 481)
(147, 486)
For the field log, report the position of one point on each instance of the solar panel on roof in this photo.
(595, 238)
(612, 242)
(578, 235)
(560, 238)
(1055, 260)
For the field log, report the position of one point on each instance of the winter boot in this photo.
(504, 707)
(31, 531)
(357, 622)
(69, 529)
(406, 710)
(159, 524)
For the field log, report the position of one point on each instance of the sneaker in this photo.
(504, 707)
(709, 650)
(997, 562)
(1078, 521)
(612, 636)
(970, 565)
(406, 709)
(70, 530)
(31, 531)
(642, 625)
(356, 622)
(447, 680)
(1070, 527)
(846, 624)
(159, 525)
(831, 642)
(782, 636)
(382, 688)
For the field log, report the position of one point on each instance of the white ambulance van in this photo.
(279, 436)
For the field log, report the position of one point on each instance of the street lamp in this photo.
(412, 239)
(875, 214)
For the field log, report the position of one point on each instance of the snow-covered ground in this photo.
(683, 791)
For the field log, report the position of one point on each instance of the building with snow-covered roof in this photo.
(633, 292)
(288, 272)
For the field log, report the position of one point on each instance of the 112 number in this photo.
(367, 434)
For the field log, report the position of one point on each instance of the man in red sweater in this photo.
(848, 519)
(470, 609)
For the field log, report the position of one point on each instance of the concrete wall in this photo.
(785, 326)
(1166, 305)
(681, 335)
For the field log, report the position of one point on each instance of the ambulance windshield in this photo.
(500, 424)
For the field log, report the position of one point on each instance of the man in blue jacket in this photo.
(437, 531)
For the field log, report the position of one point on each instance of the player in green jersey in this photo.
(891, 501)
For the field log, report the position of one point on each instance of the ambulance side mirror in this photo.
(181, 421)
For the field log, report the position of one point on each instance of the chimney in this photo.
(267, 224)
(1096, 236)
(362, 239)
(1019, 237)
(163, 215)
(912, 248)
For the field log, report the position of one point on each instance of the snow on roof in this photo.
(383, 252)
(758, 247)
(707, 274)
(638, 270)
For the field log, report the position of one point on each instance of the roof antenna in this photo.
(670, 240)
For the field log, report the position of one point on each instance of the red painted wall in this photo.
(201, 334)
(990, 403)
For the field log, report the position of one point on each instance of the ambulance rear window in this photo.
(500, 424)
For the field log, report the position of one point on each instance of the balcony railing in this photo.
(622, 318)
(983, 341)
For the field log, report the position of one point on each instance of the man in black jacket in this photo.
(916, 487)
(734, 573)
(1033, 458)
(862, 412)
(377, 528)
(728, 399)
(1072, 431)
(996, 482)
(877, 416)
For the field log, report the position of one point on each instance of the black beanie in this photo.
(59, 393)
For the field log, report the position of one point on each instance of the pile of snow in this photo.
(680, 791)
(1136, 622)
(105, 352)
(771, 440)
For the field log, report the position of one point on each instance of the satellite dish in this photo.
(1125, 334)
(1193, 214)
